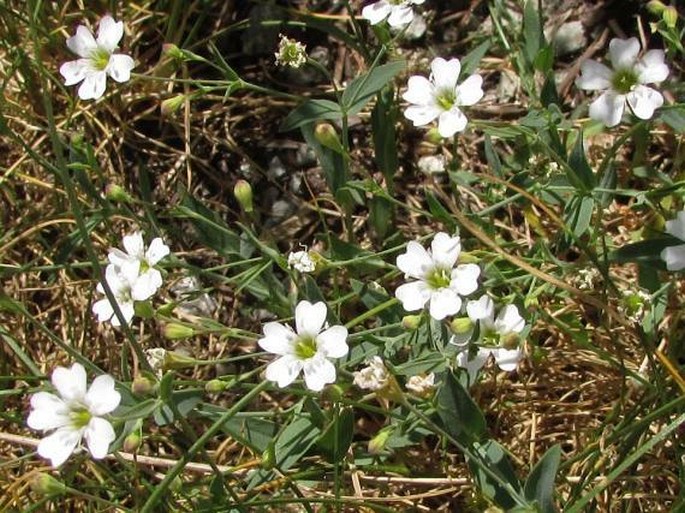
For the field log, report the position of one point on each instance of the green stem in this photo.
(371, 313)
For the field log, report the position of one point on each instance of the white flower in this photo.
(121, 281)
(397, 12)
(506, 359)
(439, 284)
(625, 83)
(674, 256)
(440, 96)
(308, 350)
(150, 279)
(74, 414)
(97, 59)
(421, 385)
(373, 377)
(301, 261)
(290, 53)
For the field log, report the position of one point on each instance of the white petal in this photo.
(444, 74)
(119, 67)
(461, 340)
(400, 16)
(127, 311)
(99, 434)
(123, 277)
(507, 359)
(416, 261)
(278, 339)
(110, 33)
(70, 383)
(676, 227)
(58, 446)
(608, 108)
(74, 71)
(93, 86)
(284, 370)
(156, 251)
(452, 121)
(509, 321)
(674, 256)
(473, 366)
(419, 91)
(103, 310)
(652, 69)
(465, 278)
(333, 342)
(309, 318)
(117, 257)
(48, 412)
(644, 101)
(421, 115)
(444, 302)
(317, 373)
(376, 12)
(445, 250)
(83, 43)
(481, 309)
(102, 398)
(413, 296)
(146, 285)
(134, 245)
(624, 52)
(470, 90)
(594, 76)
(416, 2)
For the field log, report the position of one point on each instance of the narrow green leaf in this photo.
(383, 121)
(460, 416)
(533, 38)
(580, 173)
(491, 156)
(674, 117)
(337, 438)
(645, 251)
(469, 64)
(309, 112)
(498, 461)
(360, 91)
(540, 483)
(294, 441)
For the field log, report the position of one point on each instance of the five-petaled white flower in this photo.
(625, 83)
(440, 283)
(308, 350)
(397, 12)
(674, 256)
(374, 376)
(97, 59)
(440, 96)
(150, 279)
(508, 324)
(74, 414)
(121, 281)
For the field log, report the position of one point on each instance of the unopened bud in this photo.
(175, 331)
(670, 16)
(411, 322)
(335, 392)
(171, 105)
(461, 325)
(135, 437)
(142, 385)
(176, 484)
(45, 484)
(114, 192)
(243, 193)
(509, 341)
(433, 136)
(656, 7)
(215, 386)
(269, 457)
(377, 444)
(174, 360)
(327, 135)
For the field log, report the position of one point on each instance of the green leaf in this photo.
(470, 62)
(674, 117)
(309, 112)
(579, 214)
(331, 162)
(439, 211)
(294, 441)
(580, 173)
(460, 415)
(337, 438)
(533, 38)
(540, 483)
(548, 94)
(380, 216)
(499, 462)
(491, 156)
(645, 251)
(360, 91)
(383, 120)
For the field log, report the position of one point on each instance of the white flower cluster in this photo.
(374, 376)
(131, 276)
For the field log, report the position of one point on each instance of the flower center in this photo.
(439, 278)
(99, 58)
(446, 99)
(305, 347)
(624, 80)
(80, 417)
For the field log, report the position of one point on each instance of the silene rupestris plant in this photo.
(343, 256)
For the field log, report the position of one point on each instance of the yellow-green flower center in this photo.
(305, 347)
(80, 417)
(99, 58)
(446, 99)
(439, 278)
(624, 80)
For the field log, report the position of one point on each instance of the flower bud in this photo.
(176, 485)
(114, 192)
(670, 16)
(135, 437)
(243, 193)
(334, 392)
(46, 485)
(377, 443)
(171, 105)
(173, 51)
(433, 136)
(175, 360)
(269, 457)
(175, 331)
(411, 322)
(327, 135)
(656, 7)
(215, 386)
(461, 325)
(142, 385)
